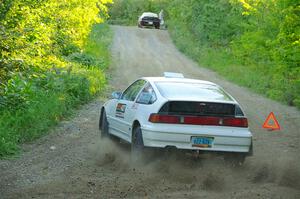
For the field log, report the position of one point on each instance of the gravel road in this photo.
(72, 161)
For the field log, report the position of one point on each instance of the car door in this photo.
(125, 109)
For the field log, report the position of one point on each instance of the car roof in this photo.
(172, 79)
(150, 14)
(205, 91)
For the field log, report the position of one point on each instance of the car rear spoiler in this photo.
(173, 75)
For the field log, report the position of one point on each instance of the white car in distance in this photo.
(149, 19)
(173, 111)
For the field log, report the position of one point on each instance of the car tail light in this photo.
(156, 118)
(238, 122)
(199, 120)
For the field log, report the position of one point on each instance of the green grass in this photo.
(258, 77)
(54, 95)
(99, 42)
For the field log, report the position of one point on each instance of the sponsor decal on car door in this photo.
(120, 110)
(123, 116)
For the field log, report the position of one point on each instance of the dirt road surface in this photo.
(73, 162)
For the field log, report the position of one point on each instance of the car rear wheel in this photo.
(137, 144)
(103, 125)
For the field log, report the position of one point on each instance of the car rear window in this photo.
(198, 108)
(198, 91)
(151, 18)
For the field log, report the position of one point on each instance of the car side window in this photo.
(131, 92)
(147, 96)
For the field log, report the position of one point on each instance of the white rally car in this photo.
(173, 111)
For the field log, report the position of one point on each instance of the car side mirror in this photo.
(116, 95)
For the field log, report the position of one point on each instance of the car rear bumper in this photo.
(225, 139)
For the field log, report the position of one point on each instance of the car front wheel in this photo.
(103, 125)
(137, 144)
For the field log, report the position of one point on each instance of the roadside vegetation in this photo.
(254, 43)
(52, 59)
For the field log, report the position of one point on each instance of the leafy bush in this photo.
(47, 63)
(84, 59)
(126, 12)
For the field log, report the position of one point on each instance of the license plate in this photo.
(150, 22)
(203, 142)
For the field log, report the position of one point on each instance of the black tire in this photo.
(235, 159)
(103, 124)
(137, 144)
